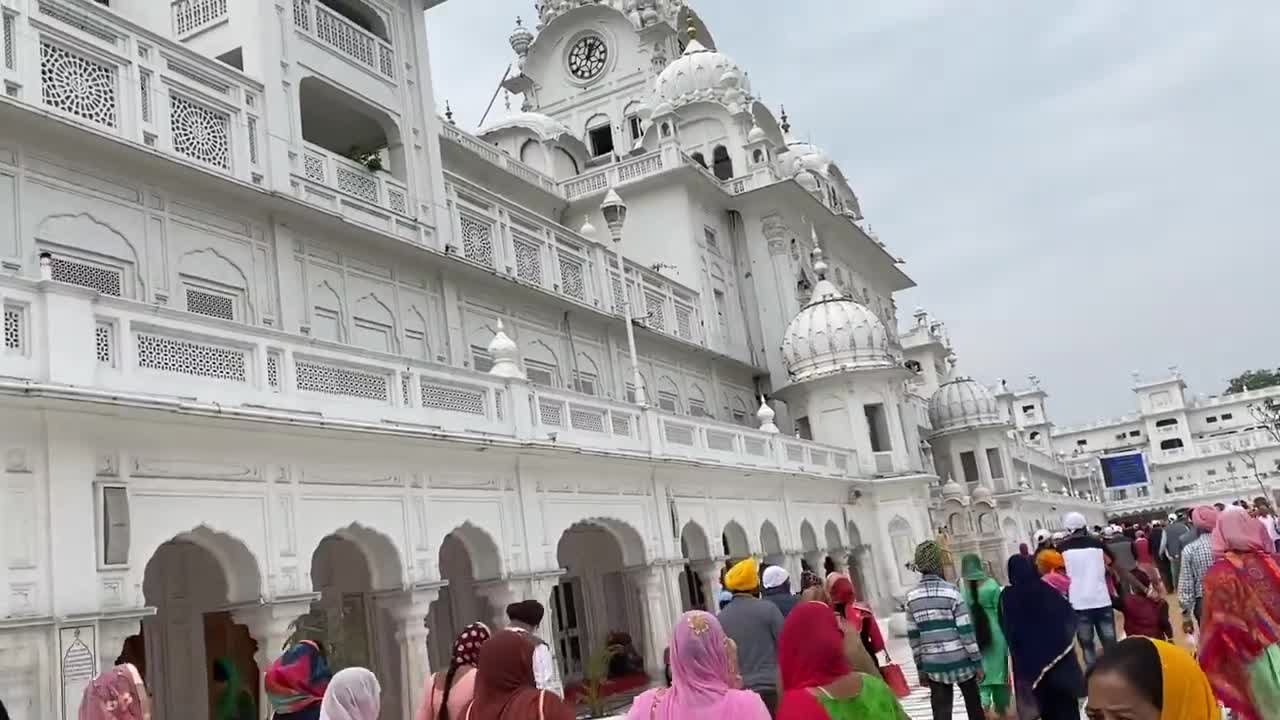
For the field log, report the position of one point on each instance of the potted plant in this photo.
(371, 159)
(594, 676)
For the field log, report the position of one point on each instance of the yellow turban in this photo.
(743, 577)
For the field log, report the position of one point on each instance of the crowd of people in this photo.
(1031, 649)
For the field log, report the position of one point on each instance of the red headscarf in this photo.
(810, 655)
(841, 591)
(505, 688)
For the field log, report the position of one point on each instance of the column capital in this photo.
(273, 617)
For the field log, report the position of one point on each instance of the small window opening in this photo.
(601, 140)
(723, 164)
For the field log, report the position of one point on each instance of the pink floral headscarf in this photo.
(700, 671)
(117, 694)
(1238, 531)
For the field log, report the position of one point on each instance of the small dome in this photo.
(702, 75)
(953, 490)
(544, 126)
(505, 354)
(834, 334)
(756, 135)
(982, 493)
(962, 403)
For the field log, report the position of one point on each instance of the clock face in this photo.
(587, 57)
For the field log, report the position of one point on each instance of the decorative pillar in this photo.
(673, 575)
(269, 626)
(648, 580)
(113, 630)
(709, 573)
(409, 613)
(499, 593)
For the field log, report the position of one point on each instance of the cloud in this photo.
(1080, 188)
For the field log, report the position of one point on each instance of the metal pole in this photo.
(626, 313)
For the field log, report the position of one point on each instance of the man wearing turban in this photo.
(754, 624)
(1197, 556)
(525, 617)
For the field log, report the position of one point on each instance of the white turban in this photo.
(774, 576)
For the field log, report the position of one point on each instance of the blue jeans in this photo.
(1100, 620)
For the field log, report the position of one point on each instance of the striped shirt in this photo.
(941, 633)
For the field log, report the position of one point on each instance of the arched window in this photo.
(600, 136)
(757, 156)
(668, 395)
(723, 164)
(666, 129)
(699, 158)
(697, 401)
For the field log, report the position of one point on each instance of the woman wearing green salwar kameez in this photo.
(982, 593)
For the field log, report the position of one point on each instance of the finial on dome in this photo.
(521, 39)
(506, 99)
(587, 230)
(819, 264)
(448, 113)
(692, 30)
(506, 355)
(765, 415)
(786, 122)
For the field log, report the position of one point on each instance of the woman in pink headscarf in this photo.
(700, 678)
(117, 694)
(1240, 628)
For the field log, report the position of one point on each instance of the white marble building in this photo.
(1195, 450)
(280, 341)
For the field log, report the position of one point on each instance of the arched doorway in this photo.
(835, 546)
(350, 568)
(809, 546)
(467, 555)
(860, 555)
(191, 580)
(771, 545)
(734, 540)
(596, 597)
(695, 549)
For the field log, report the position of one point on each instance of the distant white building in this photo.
(280, 342)
(1176, 451)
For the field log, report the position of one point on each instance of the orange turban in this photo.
(1049, 560)
(743, 577)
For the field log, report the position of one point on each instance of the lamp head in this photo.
(615, 213)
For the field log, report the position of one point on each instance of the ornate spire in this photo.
(786, 122)
(520, 40)
(448, 113)
(819, 264)
(506, 356)
(692, 30)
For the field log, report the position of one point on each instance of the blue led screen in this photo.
(1122, 470)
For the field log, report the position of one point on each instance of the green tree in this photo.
(1253, 380)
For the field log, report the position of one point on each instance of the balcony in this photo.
(111, 349)
(1241, 442)
(349, 40)
(79, 62)
(498, 158)
(192, 17)
(354, 180)
(621, 173)
(502, 237)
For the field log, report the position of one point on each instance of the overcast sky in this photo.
(1081, 189)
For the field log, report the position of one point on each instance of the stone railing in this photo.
(194, 16)
(524, 246)
(1239, 442)
(497, 157)
(345, 37)
(353, 179)
(620, 173)
(73, 342)
(84, 64)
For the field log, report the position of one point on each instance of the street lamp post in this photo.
(615, 215)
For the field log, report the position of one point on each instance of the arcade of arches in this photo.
(206, 593)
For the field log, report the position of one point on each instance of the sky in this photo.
(1080, 188)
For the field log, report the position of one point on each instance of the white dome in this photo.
(962, 403)
(806, 156)
(702, 75)
(953, 490)
(544, 126)
(982, 493)
(834, 334)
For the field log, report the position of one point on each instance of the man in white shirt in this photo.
(525, 617)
